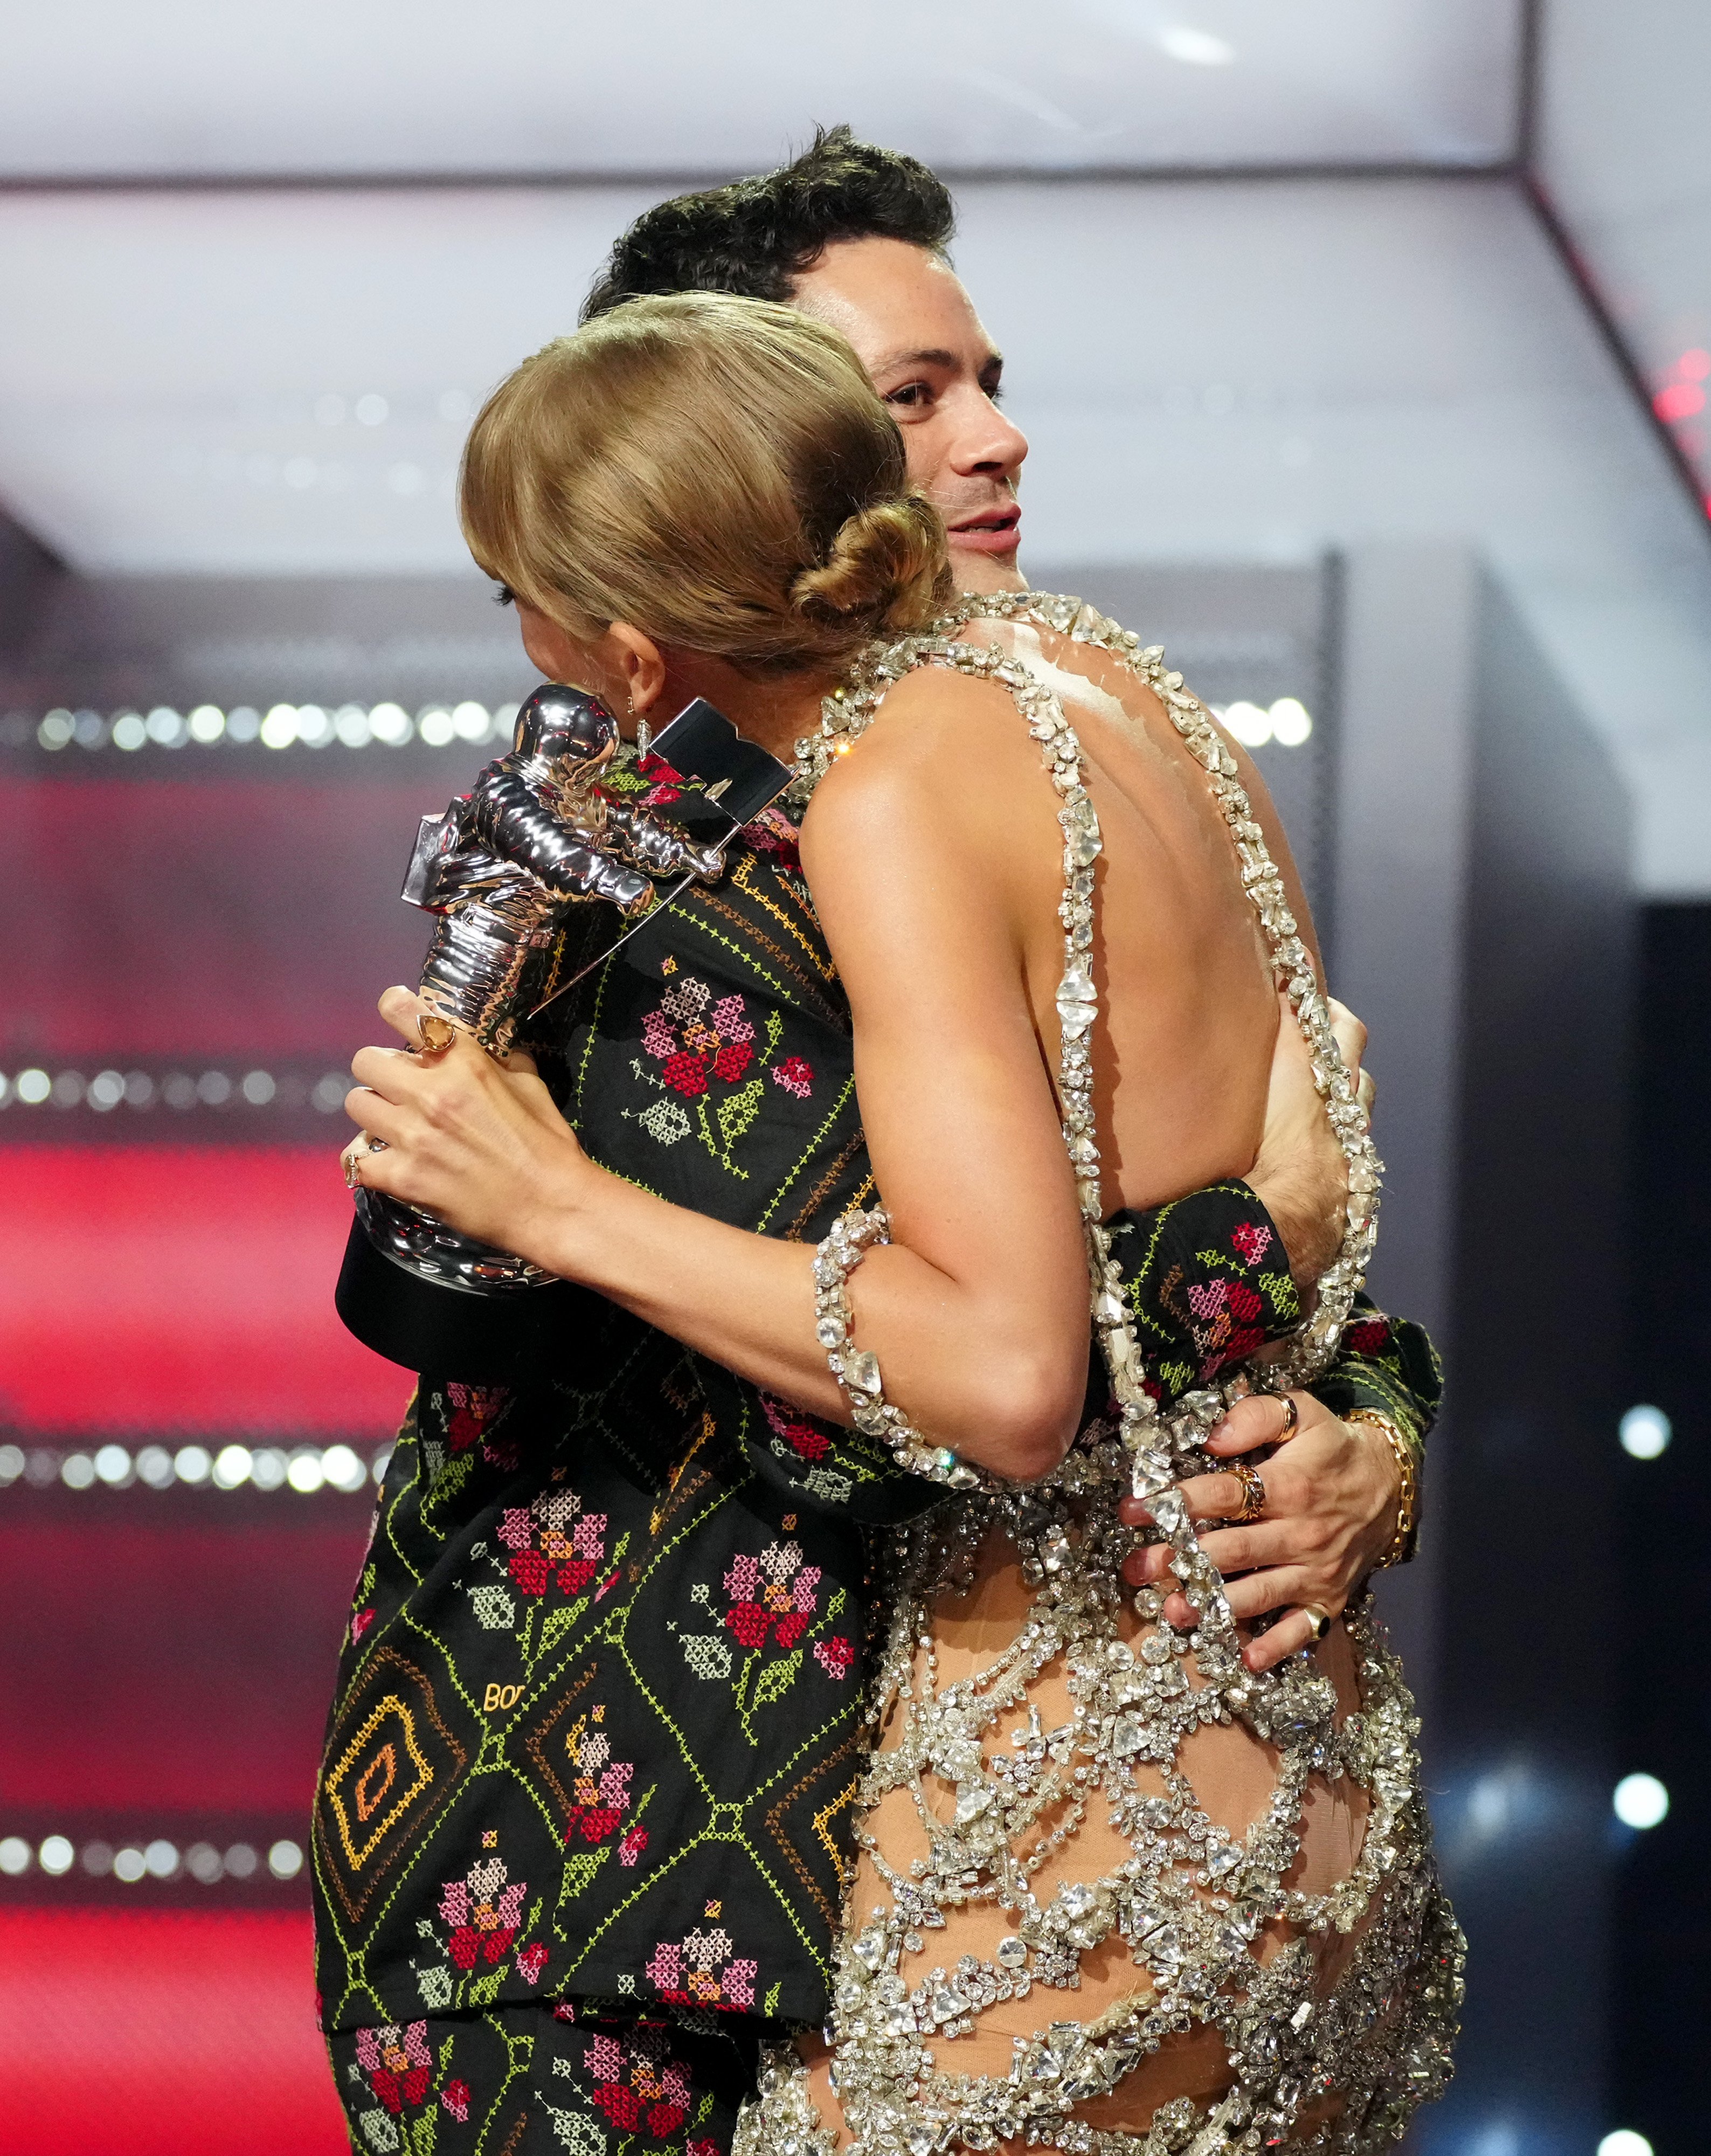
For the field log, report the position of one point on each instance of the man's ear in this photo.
(636, 661)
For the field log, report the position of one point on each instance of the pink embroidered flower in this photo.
(530, 1961)
(834, 1656)
(698, 1972)
(359, 1623)
(484, 1911)
(1250, 1240)
(602, 1785)
(773, 1593)
(795, 1074)
(630, 1849)
(549, 1537)
(694, 1041)
(455, 2096)
(396, 2062)
(636, 2080)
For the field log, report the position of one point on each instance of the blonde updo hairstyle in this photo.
(717, 472)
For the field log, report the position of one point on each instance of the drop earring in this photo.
(644, 736)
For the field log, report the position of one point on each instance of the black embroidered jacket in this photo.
(595, 1728)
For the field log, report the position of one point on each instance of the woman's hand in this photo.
(1331, 1494)
(476, 1142)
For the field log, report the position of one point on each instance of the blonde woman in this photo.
(1063, 1007)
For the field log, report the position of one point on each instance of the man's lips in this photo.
(998, 531)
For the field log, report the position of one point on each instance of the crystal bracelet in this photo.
(1408, 1496)
(857, 1370)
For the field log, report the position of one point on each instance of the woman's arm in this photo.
(978, 1310)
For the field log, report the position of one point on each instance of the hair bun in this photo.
(886, 571)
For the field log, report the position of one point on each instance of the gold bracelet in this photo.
(1408, 1497)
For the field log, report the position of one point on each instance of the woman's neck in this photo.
(774, 711)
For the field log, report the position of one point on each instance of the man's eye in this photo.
(912, 395)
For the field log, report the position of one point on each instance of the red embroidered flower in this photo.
(531, 1571)
(795, 1074)
(455, 2096)
(396, 2062)
(621, 2106)
(530, 1961)
(1370, 1336)
(750, 1622)
(1250, 1240)
(686, 1074)
(803, 1440)
(602, 1785)
(732, 1061)
(835, 1656)
(774, 1592)
(549, 1538)
(665, 2119)
(483, 1911)
(474, 1408)
(790, 1628)
(698, 1972)
(630, 1849)
(359, 1623)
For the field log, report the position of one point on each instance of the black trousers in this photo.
(582, 2077)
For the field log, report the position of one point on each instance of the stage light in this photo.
(435, 725)
(113, 1465)
(1197, 48)
(154, 1466)
(55, 1855)
(161, 1858)
(469, 721)
(56, 729)
(242, 723)
(207, 723)
(77, 1471)
(129, 731)
(350, 724)
(267, 1468)
(1645, 1432)
(202, 1860)
(371, 410)
(390, 723)
(88, 729)
(213, 1089)
(313, 727)
(258, 1088)
(341, 1467)
(11, 1464)
(97, 1859)
(1624, 2142)
(67, 1088)
(1250, 723)
(240, 1861)
(33, 1086)
(232, 1466)
(1291, 722)
(284, 1859)
(106, 1089)
(329, 1093)
(304, 1470)
(381, 1460)
(192, 1464)
(130, 1864)
(278, 729)
(1679, 400)
(179, 1090)
(1640, 1800)
(166, 727)
(15, 1854)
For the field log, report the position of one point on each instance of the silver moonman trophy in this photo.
(536, 836)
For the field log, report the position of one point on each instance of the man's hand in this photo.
(1301, 1176)
(1331, 1494)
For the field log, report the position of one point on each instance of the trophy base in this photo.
(447, 1327)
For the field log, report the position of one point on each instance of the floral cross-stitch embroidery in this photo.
(396, 2062)
(698, 1040)
(548, 1539)
(602, 1792)
(699, 1971)
(636, 2084)
(484, 1909)
(775, 1592)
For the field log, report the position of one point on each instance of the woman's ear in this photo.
(634, 659)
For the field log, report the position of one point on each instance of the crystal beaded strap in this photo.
(849, 711)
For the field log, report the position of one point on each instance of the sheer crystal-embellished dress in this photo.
(1114, 1894)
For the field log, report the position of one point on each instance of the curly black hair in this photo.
(755, 237)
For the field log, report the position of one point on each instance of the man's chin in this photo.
(983, 569)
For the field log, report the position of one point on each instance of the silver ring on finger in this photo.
(375, 1144)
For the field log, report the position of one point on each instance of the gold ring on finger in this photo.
(1319, 1620)
(437, 1034)
(1292, 1418)
(1252, 1494)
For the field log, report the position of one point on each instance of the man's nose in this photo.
(987, 442)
